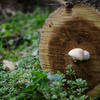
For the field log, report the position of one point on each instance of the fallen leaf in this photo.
(10, 65)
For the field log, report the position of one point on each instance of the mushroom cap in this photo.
(77, 54)
(65, 30)
(86, 55)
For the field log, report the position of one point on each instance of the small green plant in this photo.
(76, 86)
(21, 31)
(29, 81)
(52, 88)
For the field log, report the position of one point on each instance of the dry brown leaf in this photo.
(10, 65)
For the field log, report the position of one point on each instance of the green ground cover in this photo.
(19, 37)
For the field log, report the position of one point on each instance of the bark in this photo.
(94, 3)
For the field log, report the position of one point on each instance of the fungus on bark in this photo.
(66, 29)
(78, 54)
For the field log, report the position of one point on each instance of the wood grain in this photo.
(65, 30)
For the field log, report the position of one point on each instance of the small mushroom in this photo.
(79, 54)
(86, 55)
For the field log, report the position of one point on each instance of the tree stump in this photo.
(68, 28)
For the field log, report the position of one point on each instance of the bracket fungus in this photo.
(65, 30)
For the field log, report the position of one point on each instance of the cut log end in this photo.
(64, 31)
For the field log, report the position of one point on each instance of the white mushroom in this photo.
(79, 54)
(86, 55)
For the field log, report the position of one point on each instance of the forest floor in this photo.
(19, 37)
(21, 77)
